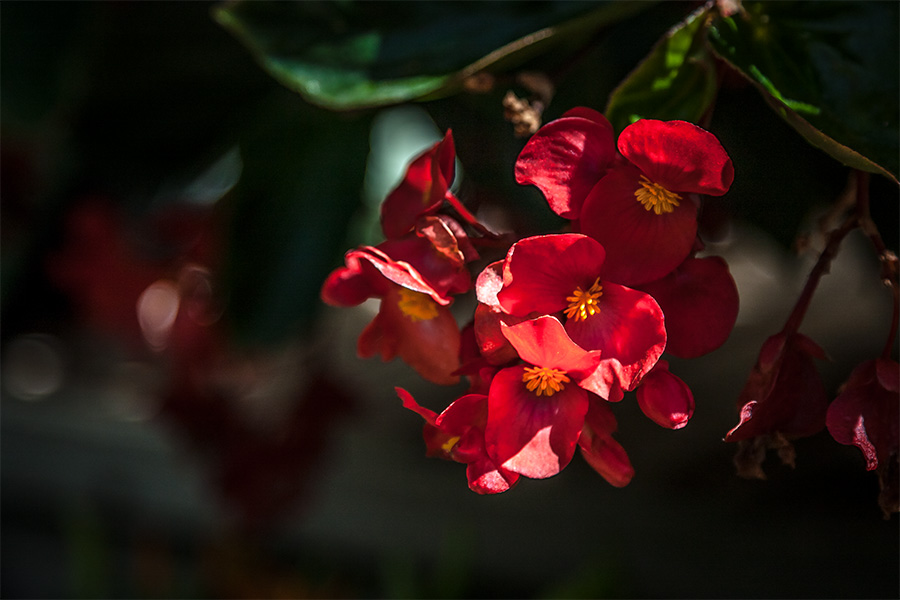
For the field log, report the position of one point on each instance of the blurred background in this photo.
(182, 417)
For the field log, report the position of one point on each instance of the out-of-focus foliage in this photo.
(828, 68)
(346, 55)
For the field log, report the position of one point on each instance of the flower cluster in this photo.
(566, 323)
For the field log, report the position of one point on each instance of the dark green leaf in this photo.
(301, 182)
(830, 69)
(346, 55)
(677, 80)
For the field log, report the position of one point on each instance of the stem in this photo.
(821, 267)
(890, 265)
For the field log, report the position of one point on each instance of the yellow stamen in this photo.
(417, 306)
(450, 444)
(583, 304)
(542, 380)
(655, 197)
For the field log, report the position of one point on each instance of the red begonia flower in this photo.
(644, 211)
(458, 434)
(536, 411)
(566, 158)
(783, 399)
(641, 245)
(417, 329)
(422, 189)
(665, 398)
(700, 301)
(600, 450)
(865, 414)
(566, 272)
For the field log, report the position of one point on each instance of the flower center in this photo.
(450, 444)
(417, 306)
(544, 381)
(583, 304)
(655, 197)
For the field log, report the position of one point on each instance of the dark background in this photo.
(296, 472)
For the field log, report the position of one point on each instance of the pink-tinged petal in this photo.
(784, 393)
(640, 245)
(566, 157)
(422, 189)
(700, 301)
(532, 435)
(540, 272)
(544, 342)
(678, 155)
(598, 448)
(629, 331)
(427, 339)
(865, 414)
(665, 398)
(485, 477)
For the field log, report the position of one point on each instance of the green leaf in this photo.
(830, 69)
(348, 55)
(677, 80)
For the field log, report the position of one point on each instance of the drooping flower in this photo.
(866, 414)
(783, 399)
(566, 273)
(643, 210)
(700, 301)
(567, 157)
(413, 321)
(458, 434)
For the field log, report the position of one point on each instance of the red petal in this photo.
(665, 398)
(530, 435)
(678, 155)
(544, 342)
(486, 478)
(600, 450)
(640, 245)
(422, 189)
(629, 331)
(566, 157)
(540, 272)
(700, 301)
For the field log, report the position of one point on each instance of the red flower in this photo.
(413, 321)
(567, 157)
(458, 434)
(865, 414)
(782, 399)
(700, 301)
(536, 413)
(566, 272)
(642, 211)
